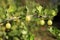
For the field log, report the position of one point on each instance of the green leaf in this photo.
(11, 9)
(13, 33)
(31, 37)
(16, 38)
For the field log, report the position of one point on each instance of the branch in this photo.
(9, 19)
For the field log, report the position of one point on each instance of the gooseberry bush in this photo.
(18, 20)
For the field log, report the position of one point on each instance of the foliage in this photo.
(17, 21)
(55, 32)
